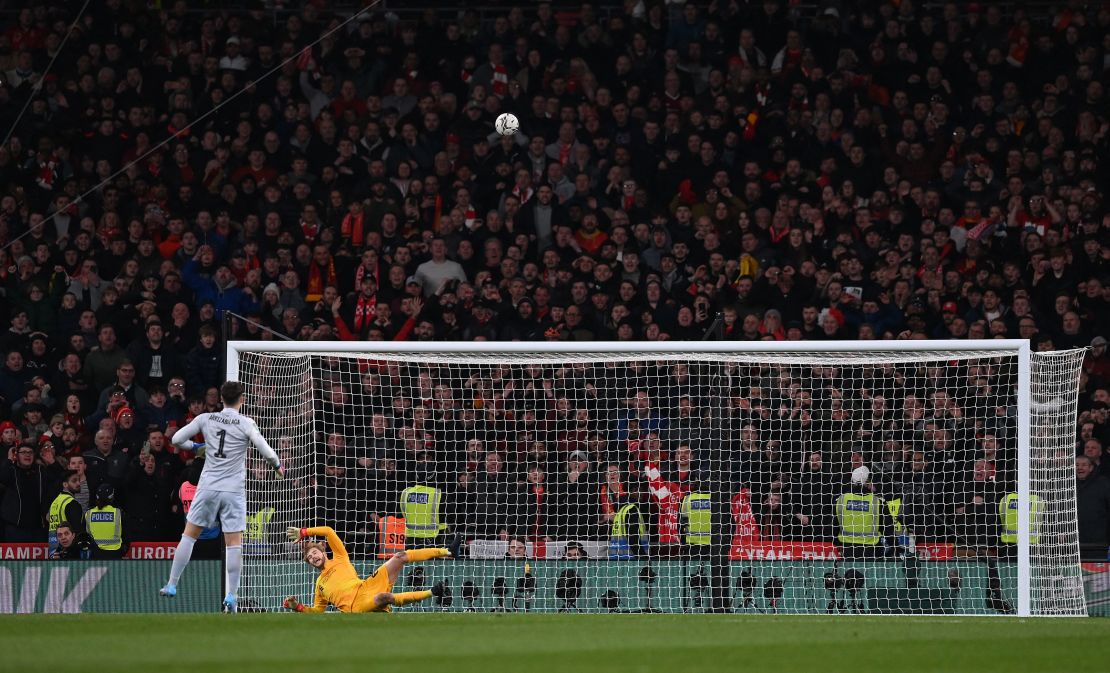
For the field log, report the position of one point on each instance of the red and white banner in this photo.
(37, 551)
(779, 550)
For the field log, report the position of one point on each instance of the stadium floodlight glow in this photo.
(890, 477)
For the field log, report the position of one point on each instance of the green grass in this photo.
(450, 643)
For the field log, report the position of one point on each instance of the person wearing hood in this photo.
(271, 306)
(203, 363)
(523, 326)
(218, 287)
(481, 322)
(41, 302)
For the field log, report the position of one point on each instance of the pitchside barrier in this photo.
(547, 586)
(105, 586)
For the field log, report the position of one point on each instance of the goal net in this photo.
(912, 477)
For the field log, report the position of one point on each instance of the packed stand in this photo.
(834, 173)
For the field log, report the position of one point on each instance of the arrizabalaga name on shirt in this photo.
(221, 419)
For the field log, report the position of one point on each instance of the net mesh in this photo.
(1056, 580)
(822, 482)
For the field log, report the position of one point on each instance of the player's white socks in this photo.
(181, 558)
(233, 561)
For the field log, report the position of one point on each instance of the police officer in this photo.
(420, 507)
(65, 509)
(104, 523)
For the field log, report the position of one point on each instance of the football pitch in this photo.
(456, 643)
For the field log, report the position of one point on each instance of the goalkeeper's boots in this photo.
(168, 591)
(455, 546)
(230, 604)
(437, 589)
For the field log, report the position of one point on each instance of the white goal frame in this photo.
(1010, 346)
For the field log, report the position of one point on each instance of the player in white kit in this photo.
(221, 496)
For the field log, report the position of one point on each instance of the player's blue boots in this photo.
(168, 591)
(230, 604)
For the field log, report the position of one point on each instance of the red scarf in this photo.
(500, 81)
(352, 228)
(316, 282)
(310, 231)
(564, 153)
(362, 271)
(778, 234)
(523, 196)
(364, 311)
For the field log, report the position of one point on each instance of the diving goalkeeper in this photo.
(339, 583)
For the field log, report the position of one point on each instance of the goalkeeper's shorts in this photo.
(372, 586)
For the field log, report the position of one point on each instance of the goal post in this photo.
(890, 477)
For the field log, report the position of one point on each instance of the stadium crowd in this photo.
(851, 171)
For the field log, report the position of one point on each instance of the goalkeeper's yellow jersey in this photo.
(338, 582)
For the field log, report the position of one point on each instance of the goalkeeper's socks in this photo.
(181, 558)
(233, 562)
(426, 554)
(411, 596)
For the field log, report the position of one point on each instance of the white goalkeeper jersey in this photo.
(227, 435)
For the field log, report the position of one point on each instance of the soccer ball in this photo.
(506, 124)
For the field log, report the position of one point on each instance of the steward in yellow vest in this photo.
(861, 516)
(65, 509)
(257, 532)
(628, 537)
(1008, 518)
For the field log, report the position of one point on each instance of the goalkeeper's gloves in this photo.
(197, 446)
(279, 469)
(294, 534)
(291, 603)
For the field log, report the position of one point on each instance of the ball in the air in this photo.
(507, 124)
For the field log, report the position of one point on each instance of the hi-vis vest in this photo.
(697, 512)
(391, 536)
(859, 518)
(620, 546)
(56, 516)
(420, 507)
(257, 524)
(894, 506)
(105, 525)
(1008, 513)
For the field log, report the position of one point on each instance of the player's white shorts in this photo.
(219, 508)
